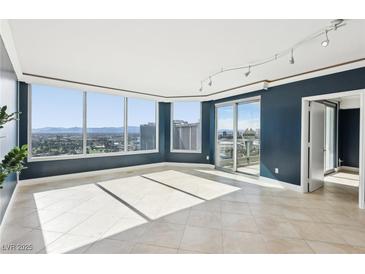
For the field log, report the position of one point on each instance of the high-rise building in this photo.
(148, 136)
(186, 135)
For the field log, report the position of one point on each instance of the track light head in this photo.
(337, 23)
(291, 60)
(248, 72)
(327, 41)
(201, 89)
(210, 81)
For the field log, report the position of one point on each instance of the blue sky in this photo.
(62, 107)
(187, 111)
(248, 116)
(56, 107)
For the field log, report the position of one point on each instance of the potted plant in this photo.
(13, 162)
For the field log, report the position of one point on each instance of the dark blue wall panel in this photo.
(349, 137)
(60, 167)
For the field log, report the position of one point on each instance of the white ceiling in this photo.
(170, 57)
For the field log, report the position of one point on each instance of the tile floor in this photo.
(181, 210)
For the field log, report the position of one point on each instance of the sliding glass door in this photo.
(225, 139)
(248, 137)
(238, 136)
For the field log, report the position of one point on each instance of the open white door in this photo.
(316, 146)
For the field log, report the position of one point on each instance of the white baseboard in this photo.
(9, 204)
(285, 185)
(196, 165)
(348, 168)
(107, 171)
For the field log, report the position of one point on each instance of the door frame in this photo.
(234, 104)
(304, 171)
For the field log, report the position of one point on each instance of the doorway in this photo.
(321, 155)
(238, 136)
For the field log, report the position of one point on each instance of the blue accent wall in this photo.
(60, 167)
(349, 137)
(281, 120)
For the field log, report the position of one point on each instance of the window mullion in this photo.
(125, 124)
(84, 123)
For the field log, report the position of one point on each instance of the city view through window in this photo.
(186, 126)
(57, 123)
(248, 137)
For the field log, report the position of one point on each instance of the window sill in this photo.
(87, 156)
(186, 151)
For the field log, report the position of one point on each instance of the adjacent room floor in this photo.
(343, 178)
(184, 210)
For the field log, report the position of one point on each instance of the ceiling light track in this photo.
(335, 24)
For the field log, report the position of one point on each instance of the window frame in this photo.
(83, 155)
(172, 129)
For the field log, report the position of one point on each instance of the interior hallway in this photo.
(184, 210)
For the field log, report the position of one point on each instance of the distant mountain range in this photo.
(54, 130)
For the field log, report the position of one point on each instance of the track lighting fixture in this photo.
(291, 60)
(334, 26)
(327, 41)
(249, 71)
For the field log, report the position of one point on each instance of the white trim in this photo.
(362, 152)
(263, 85)
(125, 121)
(285, 185)
(235, 126)
(108, 171)
(347, 168)
(84, 122)
(10, 204)
(172, 150)
(193, 165)
(304, 138)
(243, 100)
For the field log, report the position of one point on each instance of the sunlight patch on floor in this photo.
(198, 186)
(152, 199)
(241, 178)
